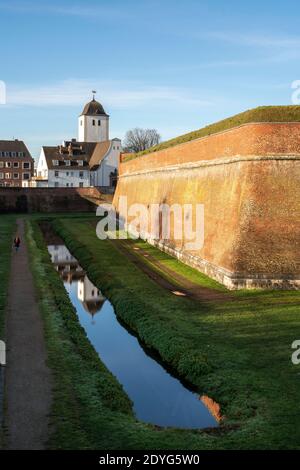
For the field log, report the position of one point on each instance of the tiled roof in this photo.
(99, 153)
(93, 108)
(90, 153)
(14, 146)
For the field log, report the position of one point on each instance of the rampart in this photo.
(248, 179)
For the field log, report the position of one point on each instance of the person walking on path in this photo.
(17, 243)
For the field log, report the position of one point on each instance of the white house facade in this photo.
(93, 160)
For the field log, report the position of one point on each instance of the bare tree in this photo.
(137, 140)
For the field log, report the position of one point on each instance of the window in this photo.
(26, 176)
(81, 185)
(67, 162)
(7, 176)
(99, 122)
(21, 154)
(26, 165)
(6, 154)
(80, 163)
(81, 122)
(67, 185)
(16, 176)
(56, 184)
(94, 122)
(56, 174)
(1, 164)
(13, 154)
(67, 173)
(1, 176)
(55, 162)
(72, 173)
(81, 174)
(7, 164)
(16, 164)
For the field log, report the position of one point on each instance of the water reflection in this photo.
(158, 397)
(70, 271)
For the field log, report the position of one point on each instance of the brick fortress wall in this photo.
(248, 179)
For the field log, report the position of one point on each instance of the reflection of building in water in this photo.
(90, 297)
(70, 270)
(65, 263)
(212, 406)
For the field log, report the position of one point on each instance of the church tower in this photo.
(93, 123)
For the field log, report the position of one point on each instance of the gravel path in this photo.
(28, 379)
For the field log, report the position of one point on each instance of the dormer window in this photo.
(80, 162)
(55, 162)
(67, 162)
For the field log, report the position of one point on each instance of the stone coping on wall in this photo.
(206, 163)
(231, 280)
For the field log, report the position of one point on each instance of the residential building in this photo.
(16, 164)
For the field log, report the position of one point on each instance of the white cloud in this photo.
(116, 95)
(256, 40)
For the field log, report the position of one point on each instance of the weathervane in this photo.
(94, 92)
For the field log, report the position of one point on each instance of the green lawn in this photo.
(7, 227)
(238, 353)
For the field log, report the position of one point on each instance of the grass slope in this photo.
(261, 114)
(7, 227)
(238, 352)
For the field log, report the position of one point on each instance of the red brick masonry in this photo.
(248, 179)
(47, 199)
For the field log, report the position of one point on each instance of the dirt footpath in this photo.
(180, 285)
(27, 378)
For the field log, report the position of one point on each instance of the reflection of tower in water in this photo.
(71, 271)
(90, 297)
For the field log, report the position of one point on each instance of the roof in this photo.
(93, 108)
(14, 146)
(99, 153)
(91, 153)
(84, 153)
(269, 114)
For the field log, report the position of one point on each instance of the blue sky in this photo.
(173, 66)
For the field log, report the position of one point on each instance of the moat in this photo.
(158, 397)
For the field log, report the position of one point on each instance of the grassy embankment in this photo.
(7, 227)
(261, 114)
(238, 352)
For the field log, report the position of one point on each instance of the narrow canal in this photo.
(158, 397)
